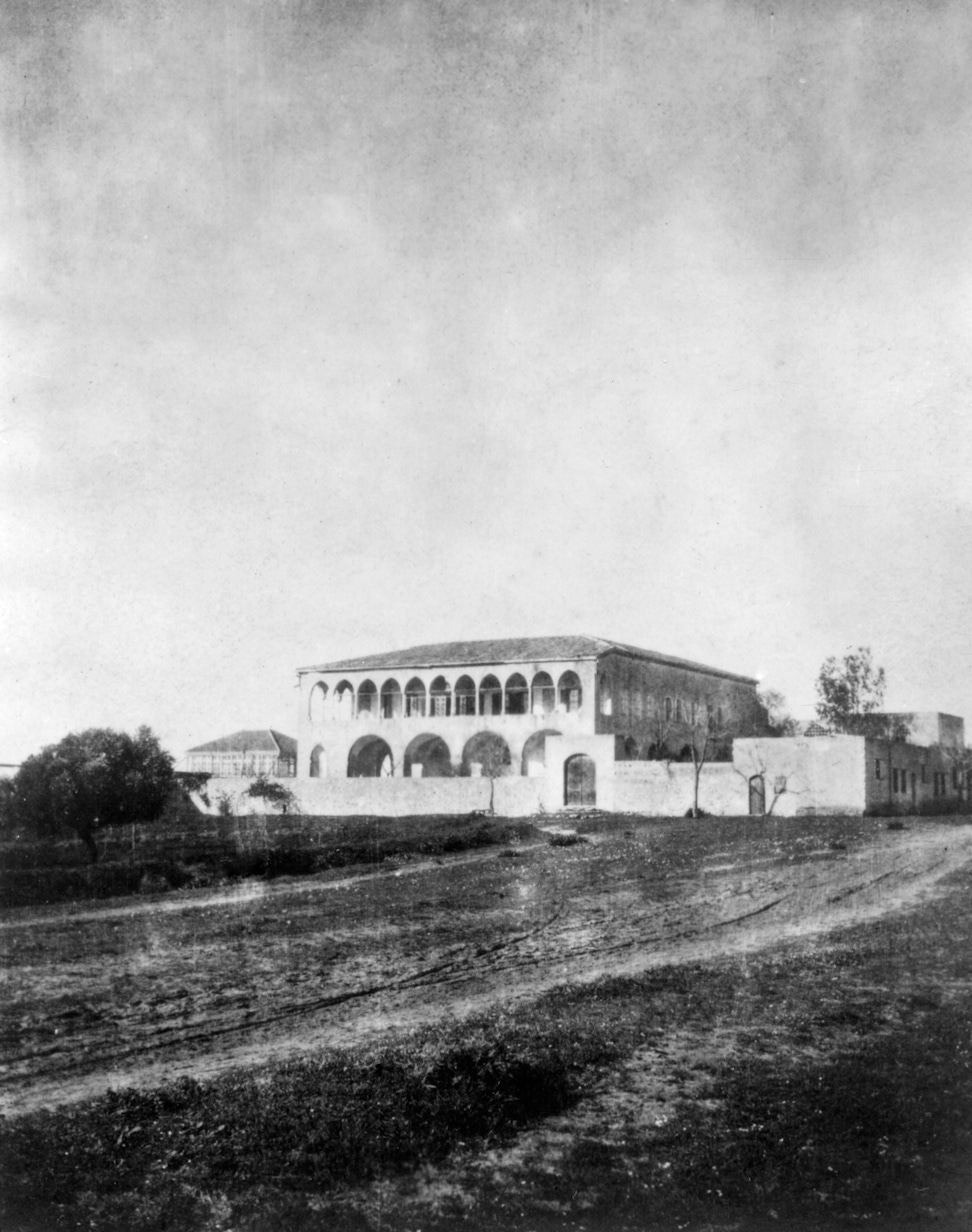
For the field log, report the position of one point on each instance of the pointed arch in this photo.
(317, 703)
(516, 695)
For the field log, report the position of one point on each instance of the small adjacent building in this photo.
(245, 754)
(824, 772)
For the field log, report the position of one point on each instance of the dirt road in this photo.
(137, 993)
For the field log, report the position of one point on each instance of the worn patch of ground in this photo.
(134, 994)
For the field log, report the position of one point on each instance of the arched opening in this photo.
(757, 796)
(318, 762)
(580, 781)
(344, 708)
(440, 698)
(318, 702)
(490, 696)
(517, 695)
(543, 695)
(490, 753)
(658, 751)
(686, 753)
(625, 748)
(391, 700)
(370, 758)
(569, 689)
(431, 753)
(414, 699)
(535, 753)
(465, 695)
(604, 695)
(367, 698)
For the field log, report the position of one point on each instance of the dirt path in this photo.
(110, 997)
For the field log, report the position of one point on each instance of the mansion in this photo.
(489, 707)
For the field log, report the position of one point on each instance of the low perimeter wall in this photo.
(391, 797)
(667, 789)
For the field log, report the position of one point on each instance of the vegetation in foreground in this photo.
(196, 851)
(843, 1092)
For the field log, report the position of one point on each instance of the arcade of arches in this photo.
(491, 696)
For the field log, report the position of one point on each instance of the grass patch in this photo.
(153, 859)
(307, 1126)
(859, 1133)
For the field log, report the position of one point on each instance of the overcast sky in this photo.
(333, 327)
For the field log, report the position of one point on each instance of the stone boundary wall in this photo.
(666, 789)
(388, 797)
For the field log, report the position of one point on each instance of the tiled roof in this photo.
(508, 650)
(262, 740)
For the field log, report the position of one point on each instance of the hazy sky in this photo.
(332, 327)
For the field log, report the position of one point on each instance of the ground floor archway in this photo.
(490, 752)
(535, 751)
(370, 758)
(432, 754)
(318, 762)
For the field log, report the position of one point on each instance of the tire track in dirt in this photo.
(610, 924)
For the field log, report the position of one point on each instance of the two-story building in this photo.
(488, 707)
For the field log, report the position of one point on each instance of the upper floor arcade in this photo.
(443, 695)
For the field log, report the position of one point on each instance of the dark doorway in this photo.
(757, 796)
(370, 758)
(580, 781)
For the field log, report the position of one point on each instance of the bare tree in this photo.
(758, 767)
(659, 727)
(707, 736)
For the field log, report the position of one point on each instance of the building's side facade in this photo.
(245, 753)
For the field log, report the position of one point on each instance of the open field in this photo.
(686, 970)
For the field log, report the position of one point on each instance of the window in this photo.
(924, 774)
(877, 768)
(669, 710)
(543, 694)
(465, 695)
(414, 698)
(391, 700)
(569, 688)
(517, 695)
(894, 778)
(367, 698)
(440, 697)
(955, 778)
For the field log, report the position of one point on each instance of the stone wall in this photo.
(389, 797)
(666, 789)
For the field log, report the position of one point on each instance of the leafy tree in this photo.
(851, 692)
(90, 780)
(273, 793)
(779, 721)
